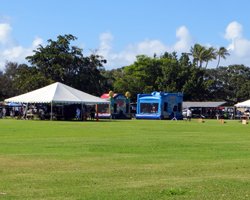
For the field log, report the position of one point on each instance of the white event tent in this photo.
(57, 93)
(243, 104)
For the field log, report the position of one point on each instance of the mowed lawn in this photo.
(130, 159)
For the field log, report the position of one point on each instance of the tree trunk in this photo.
(218, 62)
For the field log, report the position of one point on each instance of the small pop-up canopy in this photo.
(57, 93)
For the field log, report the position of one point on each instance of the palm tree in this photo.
(222, 53)
(198, 53)
(202, 54)
(210, 54)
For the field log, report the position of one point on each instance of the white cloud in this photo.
(36, 42)
(233, 31)
(5, 30)
(185, 40)
(146, 47)
(13, 52)
(149, 47)
(17, 54)
(128, 55)
(239, 46)
(242, 47)
(105, 44)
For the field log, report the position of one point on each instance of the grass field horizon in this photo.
(129, 159)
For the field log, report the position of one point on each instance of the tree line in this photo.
(60, 61)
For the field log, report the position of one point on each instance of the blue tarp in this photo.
(12, 104)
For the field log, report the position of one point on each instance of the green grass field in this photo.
(130, 159)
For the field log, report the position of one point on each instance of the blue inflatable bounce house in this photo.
(159, 105)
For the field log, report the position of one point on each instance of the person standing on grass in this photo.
(4, 112)
(189, 114)
(78, 114)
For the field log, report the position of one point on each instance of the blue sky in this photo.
(120, 30)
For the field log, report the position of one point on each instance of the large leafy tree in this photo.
(29, 78)
(230, 83)
(7, 79)
(140, 77)
(2, 96)
(59, 61)
(180, 75)
(196, 86)
(171, 77)
(17, 79)
(166, 73)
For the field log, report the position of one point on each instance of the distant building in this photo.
(208, 109)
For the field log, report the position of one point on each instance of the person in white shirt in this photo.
(189, 114)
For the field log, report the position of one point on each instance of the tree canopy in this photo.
(60, 61)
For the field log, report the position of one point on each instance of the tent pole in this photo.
(82, 111)
(96, 108)
(110, 117)
(51, 112)
(63, 112)
(25, 111)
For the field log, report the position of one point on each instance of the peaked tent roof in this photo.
(243, 104)
(56, 93)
